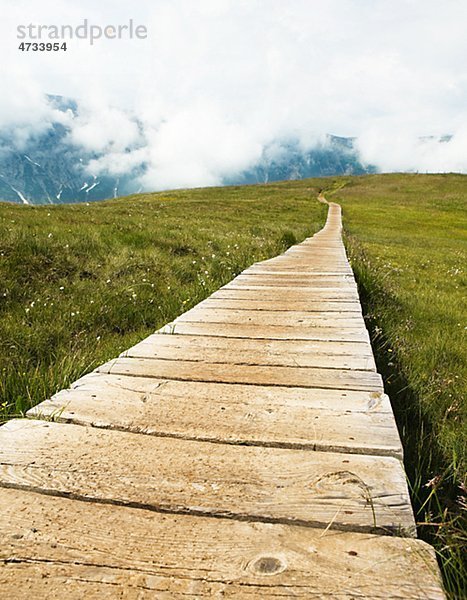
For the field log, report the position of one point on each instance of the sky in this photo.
(217, 81)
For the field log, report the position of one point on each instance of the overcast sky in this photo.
(217, 80)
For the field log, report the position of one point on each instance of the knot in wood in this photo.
(268, 565)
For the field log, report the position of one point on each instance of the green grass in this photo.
(81, 283)
(406, 236)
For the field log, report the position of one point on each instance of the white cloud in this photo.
(102, 128)
(399, 150)
(218, 80)
(203, 143)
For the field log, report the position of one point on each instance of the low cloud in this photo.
(396, 151)
(219, 82)
(104, 129)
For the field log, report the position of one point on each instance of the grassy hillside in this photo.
(407, 239)
(79, 284)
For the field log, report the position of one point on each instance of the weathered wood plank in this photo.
(284, 294)
(316, 248)
(328, 291)
(272, 346)
(293, 353)
(323, 399)
(311, 258)
(347, 491)
(256, 303)
(298, 271)
(274, 317)
(183, 370)
(328, 420)
(311, 278)
(270, 332)
(318, 262)
(339, 282)
(53, 547)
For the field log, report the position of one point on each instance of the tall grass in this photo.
(81, 283)
(406, 237)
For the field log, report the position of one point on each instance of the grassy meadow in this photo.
(81, 283)
(406, 237)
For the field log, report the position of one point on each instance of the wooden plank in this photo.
(257, 303)
(310, 257)
(56, 547)
(346, 491)
(293, 353)
(318, 278)
(323, 399)
(327, 291)
(271, 332)
(183, 370)
(273, 317)
(299, 270)
(280, 348)
(284, 295)
(316, 248)
(318, 261)
(328, 420)
(285, 280)
(295, 270)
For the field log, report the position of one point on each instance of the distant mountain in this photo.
(288, 161)
(50, 169)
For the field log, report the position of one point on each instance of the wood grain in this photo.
(183, 370)
(293, 353)
(267, 332)
(285, 295)
(346, 491)
(341, 282)
(273, 317)
(306, 289)
(338, 421)
(56, 547)
(255, 303)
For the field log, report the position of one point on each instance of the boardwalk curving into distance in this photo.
(246, 450)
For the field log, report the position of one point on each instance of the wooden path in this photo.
(246, 450)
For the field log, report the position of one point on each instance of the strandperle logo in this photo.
(83, 31)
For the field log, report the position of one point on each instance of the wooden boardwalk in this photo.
(246, 450)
